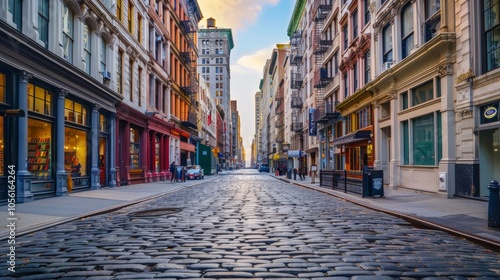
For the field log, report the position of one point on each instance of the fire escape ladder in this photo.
(189, 58)
(296, 102)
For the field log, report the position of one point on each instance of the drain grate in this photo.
(155, 212)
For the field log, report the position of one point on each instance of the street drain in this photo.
(155, 212)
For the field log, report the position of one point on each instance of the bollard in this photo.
(494, 205)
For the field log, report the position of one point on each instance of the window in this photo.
(404, 101)
(103, 124)
(119, 4)
(346, 85)
(422, 93)
(355, 24)
(135, 145)
(43, 22)
(39, 100)
(119, 73)
(366, 5)
(87, 55)
(367, 67)
(67, 34)
(139, 27)
(103, 56)
(16, 10)
(130, 17)
(387, 43)
(432, 18)
(492, 34)
(2, 88)
(131, 81)
(75, 112)
(139, 87)
(407, 29)
(355, 74)
(346, 38)
(426, 140)
(423, 140)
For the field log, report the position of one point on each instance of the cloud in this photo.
(234, 14)
(255, 61)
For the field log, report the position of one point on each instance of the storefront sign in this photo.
(312, 124)
(175, 132)
(295, 153)
(490, 112)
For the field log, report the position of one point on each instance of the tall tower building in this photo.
(215, 45)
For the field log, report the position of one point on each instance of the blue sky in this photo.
(257, 26)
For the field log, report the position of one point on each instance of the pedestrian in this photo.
(295, 173)
(172, 170)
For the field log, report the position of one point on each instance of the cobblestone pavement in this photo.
(247, 226)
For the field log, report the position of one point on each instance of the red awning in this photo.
(187, 147)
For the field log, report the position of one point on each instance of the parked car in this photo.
(264, 167)
(194, 172)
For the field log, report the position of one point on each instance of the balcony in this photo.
(296, 59)
(187, 90)
(296, 81)
(186, 57)
(322, 46)
(324, 79)
(296, 126)
(296, 102)
(191, 120)
(186, 26)
(326, 112)
(322, 12)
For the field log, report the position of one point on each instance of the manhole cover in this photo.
(155, 212)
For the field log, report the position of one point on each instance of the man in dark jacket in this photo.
(172, 170)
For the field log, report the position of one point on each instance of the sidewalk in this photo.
(36, 215)
(463, 217)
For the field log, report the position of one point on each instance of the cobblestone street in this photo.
(247, 226)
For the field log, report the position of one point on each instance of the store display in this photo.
(39, 158)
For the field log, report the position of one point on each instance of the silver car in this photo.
(194, 172)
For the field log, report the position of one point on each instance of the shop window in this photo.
(423, 140)
(76, 155)
(103, 124)
(75, 112)
(40, 146)
(406, 142)
(134, 148)
(157, 154)
(404, 100)
(39, 100)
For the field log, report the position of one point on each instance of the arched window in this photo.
(67, 33)
(407, 29)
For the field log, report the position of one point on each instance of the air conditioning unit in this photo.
(387, 65)
(106, 75)
(158, 38)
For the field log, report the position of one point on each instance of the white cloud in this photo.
(234, 14)
(255, 61)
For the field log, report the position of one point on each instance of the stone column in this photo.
(112, 154)
(394, 169)
(447, 163)
(24, 177)
(61, 174)
(377, 137)
(94, 143)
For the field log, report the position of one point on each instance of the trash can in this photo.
(377, 182)
(367, 190)
(179, 173)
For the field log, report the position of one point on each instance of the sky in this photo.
(257, 26)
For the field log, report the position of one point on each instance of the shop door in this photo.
(103, 160)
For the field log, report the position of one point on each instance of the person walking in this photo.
(301, 173)
(172, 170)
(295, 173)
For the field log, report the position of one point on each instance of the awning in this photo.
(187, 147)
(359, 135)
(279, 156)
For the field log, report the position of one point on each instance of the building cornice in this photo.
(298, 10)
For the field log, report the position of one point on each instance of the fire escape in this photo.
(324, 110)
(280, 114)
(296, 55)
(189, 59)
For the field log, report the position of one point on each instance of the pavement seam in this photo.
(491, 244)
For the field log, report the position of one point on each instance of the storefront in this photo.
(159, 152)
(488, 133)
(132, 149)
